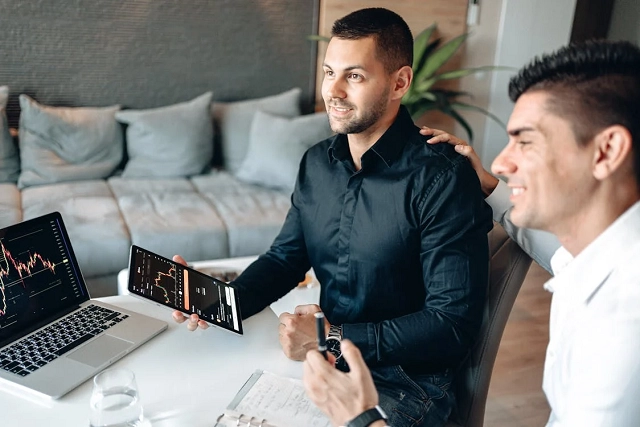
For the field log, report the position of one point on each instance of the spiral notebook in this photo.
(270, 400)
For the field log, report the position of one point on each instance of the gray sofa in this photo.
(229, 211)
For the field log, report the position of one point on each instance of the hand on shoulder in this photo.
(488, 182)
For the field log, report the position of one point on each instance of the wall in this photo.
(147, 53)
(480, 50)
(625, 21)
(526, 29)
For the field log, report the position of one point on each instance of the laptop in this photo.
(53, 336)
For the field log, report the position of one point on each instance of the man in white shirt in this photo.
(573, 169)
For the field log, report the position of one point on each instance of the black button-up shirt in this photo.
(399, 247)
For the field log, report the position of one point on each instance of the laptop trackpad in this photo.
(100, 350)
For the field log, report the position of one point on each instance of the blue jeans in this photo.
(419, 400)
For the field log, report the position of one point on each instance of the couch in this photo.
(145, 177)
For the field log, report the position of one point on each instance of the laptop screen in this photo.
(39, 276)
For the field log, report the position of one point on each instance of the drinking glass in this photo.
(115, 401)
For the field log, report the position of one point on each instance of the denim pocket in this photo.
(411, 403)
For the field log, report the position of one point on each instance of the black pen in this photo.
(322, 343)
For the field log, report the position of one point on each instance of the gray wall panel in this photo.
(150, 53)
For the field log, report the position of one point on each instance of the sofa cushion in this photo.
(234, 120)
(253, 219)
(222, 182)
(60, 144)
(175, 223)
(125, 187)
(10, 205)
(97, 230)
(276, 146)
(9, 160)
(171, 141)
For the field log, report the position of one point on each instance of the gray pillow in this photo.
(9, 161)
(67, 143)
(234, 120)
(276, 146)
(171, 141)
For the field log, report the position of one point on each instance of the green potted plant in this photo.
(429, 57)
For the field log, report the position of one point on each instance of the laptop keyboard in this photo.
(33, 352)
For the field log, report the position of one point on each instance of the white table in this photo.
(185, 378)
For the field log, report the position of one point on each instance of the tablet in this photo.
(169, 284)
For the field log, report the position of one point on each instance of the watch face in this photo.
(333, 347)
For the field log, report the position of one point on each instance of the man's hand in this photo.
(488, 182)
(342, 396)
(298, 331)
(194, 320)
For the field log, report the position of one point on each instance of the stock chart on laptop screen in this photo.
(38, 277)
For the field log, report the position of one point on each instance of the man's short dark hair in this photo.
(394, 42)
(593, 85)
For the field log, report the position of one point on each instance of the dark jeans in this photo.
(422, 400)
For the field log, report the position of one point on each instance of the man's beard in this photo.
(360, 124)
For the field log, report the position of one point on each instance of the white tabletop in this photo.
(185, 378)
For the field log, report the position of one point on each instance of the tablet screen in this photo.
(182, 288)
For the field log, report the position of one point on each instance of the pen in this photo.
(322, 344)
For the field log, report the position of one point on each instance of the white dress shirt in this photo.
(592, 366)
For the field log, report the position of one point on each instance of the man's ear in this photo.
(402, 81)
(613, 147)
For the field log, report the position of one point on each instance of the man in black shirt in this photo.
(395, 230)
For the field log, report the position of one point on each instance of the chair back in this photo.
(509, 265)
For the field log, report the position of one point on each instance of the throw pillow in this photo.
(9, 161)
(67, 143)
(276, 146)
(171, 141)
(234, 120)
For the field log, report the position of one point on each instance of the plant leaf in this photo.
(453, 113)
(423, 86)
(465, 106)
(421, 45)
(429, 96)
(453, 93)
(419, 108)
(438, 58)
(456, 74)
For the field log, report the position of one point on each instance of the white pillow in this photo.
(59, 144)
(234, 120)
(276, 146)
(171, 141)
(9, 161)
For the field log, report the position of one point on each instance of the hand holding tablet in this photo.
(171, 284)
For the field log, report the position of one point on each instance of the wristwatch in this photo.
(333, 346)
(368, 417)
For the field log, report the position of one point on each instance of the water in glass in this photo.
(115, 401)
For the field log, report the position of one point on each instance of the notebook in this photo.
(271, 400)
(53, 337)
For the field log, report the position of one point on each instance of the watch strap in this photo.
(368, 417)
(335, 331)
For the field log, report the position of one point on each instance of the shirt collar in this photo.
(586, 272)
(388, 148)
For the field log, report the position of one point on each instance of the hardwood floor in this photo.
(515, 394)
